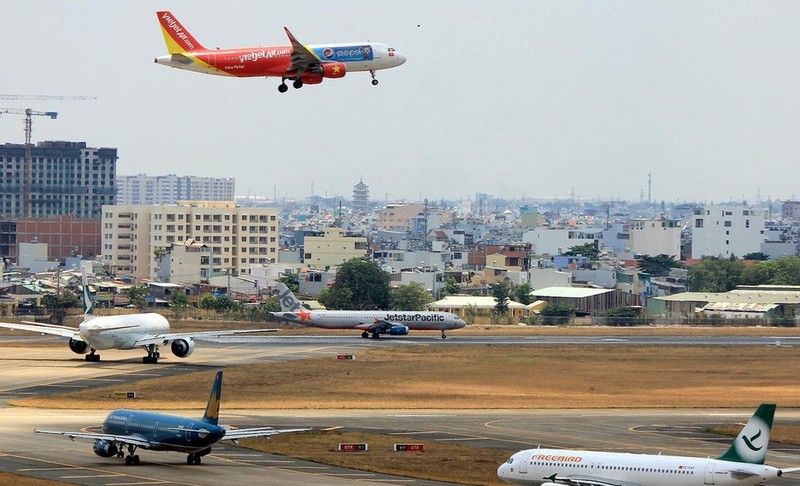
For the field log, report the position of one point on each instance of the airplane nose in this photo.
(399, 58)
(502, 472)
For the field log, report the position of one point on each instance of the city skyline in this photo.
(516, 99)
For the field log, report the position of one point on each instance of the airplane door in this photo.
(522, 467)
(708, 477)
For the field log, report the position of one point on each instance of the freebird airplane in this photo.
(132, 429)
(741, 465)
(375, 323)
(304, 64)
(130, 331)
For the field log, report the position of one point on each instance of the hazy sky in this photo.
(513, 98)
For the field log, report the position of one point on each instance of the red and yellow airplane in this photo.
(304, 64)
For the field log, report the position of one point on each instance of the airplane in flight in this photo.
(133, 429)
(304, 64)
(130, 331)
(741, 465)
(375, 323)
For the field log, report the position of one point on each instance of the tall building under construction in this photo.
(66, 178)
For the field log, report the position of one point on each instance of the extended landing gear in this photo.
(132, 459)
(152, 354)
(92, 356)
(444, 336)
(282, 88)
(374, 81)
(365, 334)
(296, 84)
(193, 459)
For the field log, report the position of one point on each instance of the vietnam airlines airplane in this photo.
(393, 323)
(160, 432)
(304, 64)
(130, 331)
(741, 465)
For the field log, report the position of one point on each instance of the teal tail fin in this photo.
(212, 409)
(750, 445)
(88, 305)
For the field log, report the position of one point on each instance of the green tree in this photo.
(501, 291)
(411, 297)
(714, 274)
(756, 255)
(137, 295)
(66, 300)
(450, 287)
(180, 303)
(368, 285)
(788, 271)
(589, 250)
(336, 298)
(291, 280)
(659, 265)
(522, 293)
(224, 303)
(207, 301)
(762, 273)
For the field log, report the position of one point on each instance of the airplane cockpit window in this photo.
(510, 460)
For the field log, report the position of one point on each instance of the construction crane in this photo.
(46, 97)
(26, 171)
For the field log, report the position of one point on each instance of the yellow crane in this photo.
(27, 170)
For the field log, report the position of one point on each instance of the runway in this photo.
(32, 366)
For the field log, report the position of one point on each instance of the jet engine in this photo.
(78, 347)
(182, 347)
(104, 448)
(398, 330)
(333, 70)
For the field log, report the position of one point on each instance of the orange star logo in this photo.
(305, 315)
(336, 69)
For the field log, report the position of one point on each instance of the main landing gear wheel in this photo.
(193, 459)
(152, 354)
(92, 356)
(282, 88)
(365, 334)
(298, 83)
(132, 460)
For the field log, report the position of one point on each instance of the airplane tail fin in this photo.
(750, 445)
(88, 305)
(288, 301)
(211, 415)
(178, 39)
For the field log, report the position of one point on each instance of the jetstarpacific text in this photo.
(414, 317)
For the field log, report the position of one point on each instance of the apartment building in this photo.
(333, 247)
(66, 178)
(134, 235)
(726, 230)
(169, 189)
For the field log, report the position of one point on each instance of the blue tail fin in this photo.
(750, 446)
(212, 409)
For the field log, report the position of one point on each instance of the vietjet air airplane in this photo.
(394, 323)
(305, 64)
(130, 331)
(132, 429)
(741, 465)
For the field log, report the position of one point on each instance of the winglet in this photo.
(212, 409)
(178, 39)
(750, 446)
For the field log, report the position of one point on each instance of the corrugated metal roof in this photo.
(460, 301)
(739, 307)
(744, 297)
(569, 292)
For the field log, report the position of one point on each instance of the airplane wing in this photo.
(303, 59)
(573, 480)
(236, 434)
(53, 329)
(122, 439)
(200, 336)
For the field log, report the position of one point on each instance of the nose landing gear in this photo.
(374, 80)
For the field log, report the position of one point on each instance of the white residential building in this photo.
(237, 237)
(169, 189)
(556, 241)
(726, 230)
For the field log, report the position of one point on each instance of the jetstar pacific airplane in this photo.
(129, 331)
(304, 64)
(741, 465)
(393, 323)
(132, 429)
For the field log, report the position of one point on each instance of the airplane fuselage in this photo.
(537, 467)
(419, 321)
(121, 332)
(165, 432)
(276, 60)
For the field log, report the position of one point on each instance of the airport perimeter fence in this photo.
(696, 321)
